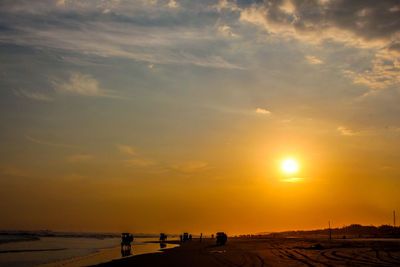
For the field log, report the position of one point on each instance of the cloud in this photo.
(44, 142)
(136, 161)
(372, 25)
(60, 3)
(287, 7)
(83, 84)
(382, 74)
(190, 166)
(263, 111)
(292, 180)
(362, 22)
(139, 162)
(173, 4)
(136, 30)
(226, 31)
(185, 167)
(314, 60)
(32, 95)
(224, 4)
(346, 131)
(126, 149)
(79, 158)
(395, 47)
(148, 31)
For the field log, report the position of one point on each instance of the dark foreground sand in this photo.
(273, 252)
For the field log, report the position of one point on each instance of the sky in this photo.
(176, 115)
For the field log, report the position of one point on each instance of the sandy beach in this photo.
(274, 252)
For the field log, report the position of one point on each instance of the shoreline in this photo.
(110, 254)
(62, 251)
(20, 239)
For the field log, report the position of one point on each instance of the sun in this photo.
(290, 166)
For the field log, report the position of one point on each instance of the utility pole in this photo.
(330, 231)
(394, 218)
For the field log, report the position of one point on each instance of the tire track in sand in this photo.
(293, 257)
(311, 259)
(357, 260)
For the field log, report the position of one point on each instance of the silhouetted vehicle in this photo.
(163, 237)
(221, 238)
(185, 237)
(126, 239)
(190, 237)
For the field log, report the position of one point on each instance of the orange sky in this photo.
(160, 116)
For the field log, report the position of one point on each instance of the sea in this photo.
(71, 251)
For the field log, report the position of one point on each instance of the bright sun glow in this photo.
(290, 166)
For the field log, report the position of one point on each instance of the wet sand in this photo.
(273, 252)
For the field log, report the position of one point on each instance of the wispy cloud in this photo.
(126, 149)
(346, 131)
(137, 30)
(60, 3)
(292, 180)
(314, 60)
(227, 31)
(135, 161)
(32, 95)
(45, 142)
(263, 111)
(173, 4)
(83, 84)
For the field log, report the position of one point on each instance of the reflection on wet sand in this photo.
(126, 252)
(138, 247)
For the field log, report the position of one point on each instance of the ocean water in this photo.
(70, 251)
